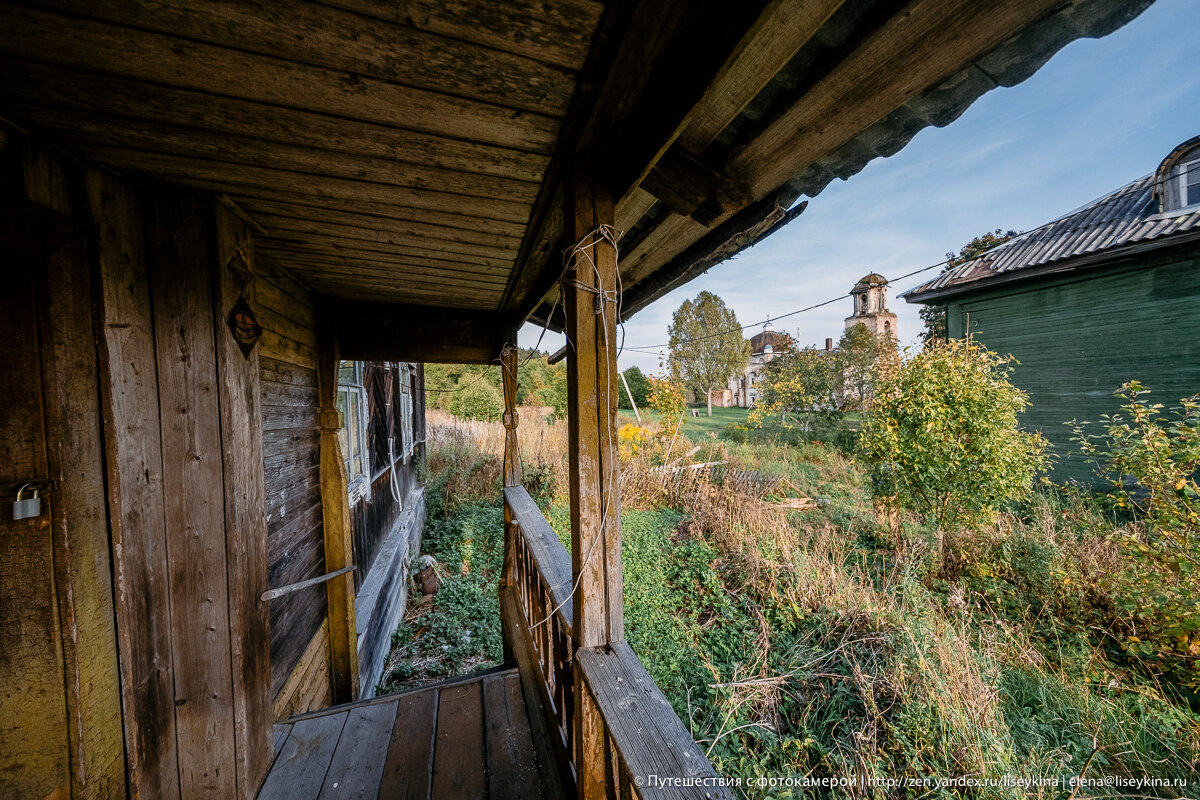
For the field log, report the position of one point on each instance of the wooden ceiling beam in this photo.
(400, 332)
(670, 56)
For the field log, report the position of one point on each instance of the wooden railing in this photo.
(535, 609)
(647, 752)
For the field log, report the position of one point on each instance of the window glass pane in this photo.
(346, 372)
(352, 422)
(1193, 193)
(341, 406)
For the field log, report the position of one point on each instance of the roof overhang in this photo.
(1053, 268)
(415, 154)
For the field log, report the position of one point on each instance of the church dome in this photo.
(868, 281)
(778, 342)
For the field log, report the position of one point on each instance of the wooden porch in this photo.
(469, 738)
(507, 733)
(208, 206)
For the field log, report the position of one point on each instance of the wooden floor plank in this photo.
(458, 758)
(357, 764)
(300, 768)
(409, 764)
(512, 764)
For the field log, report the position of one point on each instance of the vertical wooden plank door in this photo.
(33, 721)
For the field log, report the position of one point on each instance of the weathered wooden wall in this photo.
(308, 686)
(183, 480)
(387, 525)
(295, 538)
(1078, 337)
(134, 647)
(186, 490)
(373, 519)
(60, 706)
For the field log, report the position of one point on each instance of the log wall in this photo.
(291, 457)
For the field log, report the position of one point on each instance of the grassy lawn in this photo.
(695, 428)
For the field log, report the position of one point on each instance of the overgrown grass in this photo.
(835, 642)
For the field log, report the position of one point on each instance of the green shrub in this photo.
(1151, 460)
(942, 435)
(479, 400)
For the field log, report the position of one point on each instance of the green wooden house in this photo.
(1104, 295)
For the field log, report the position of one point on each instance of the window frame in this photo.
(1186, 169)
(354, 413)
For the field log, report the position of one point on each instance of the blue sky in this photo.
(1098, 115)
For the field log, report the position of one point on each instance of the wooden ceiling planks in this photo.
(558, 32)
(388, 253)
(230, 178)
(402, 148)
(426, 134)
(493, 247)
(398, 219)
(85, 130)
(350, 43)
(42, 86)
(160, 58)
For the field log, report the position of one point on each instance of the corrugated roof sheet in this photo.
(1128, 215)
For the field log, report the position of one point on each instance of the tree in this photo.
(801, 383)
(942, 435)
(479, 400)
(864, 358)
(639, 387)
(706, 344)
(934, 316)
(541, 383)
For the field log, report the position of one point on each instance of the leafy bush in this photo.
(1151, 461)
(666, 397)
(942, 435)
(479, 400)
(458, 629)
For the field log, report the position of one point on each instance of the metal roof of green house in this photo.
(1115, 222)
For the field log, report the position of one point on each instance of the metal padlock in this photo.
(28, 508)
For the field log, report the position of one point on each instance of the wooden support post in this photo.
(590, 293)
(335, 509)
(509, 359)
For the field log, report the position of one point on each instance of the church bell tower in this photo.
(870, 306)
